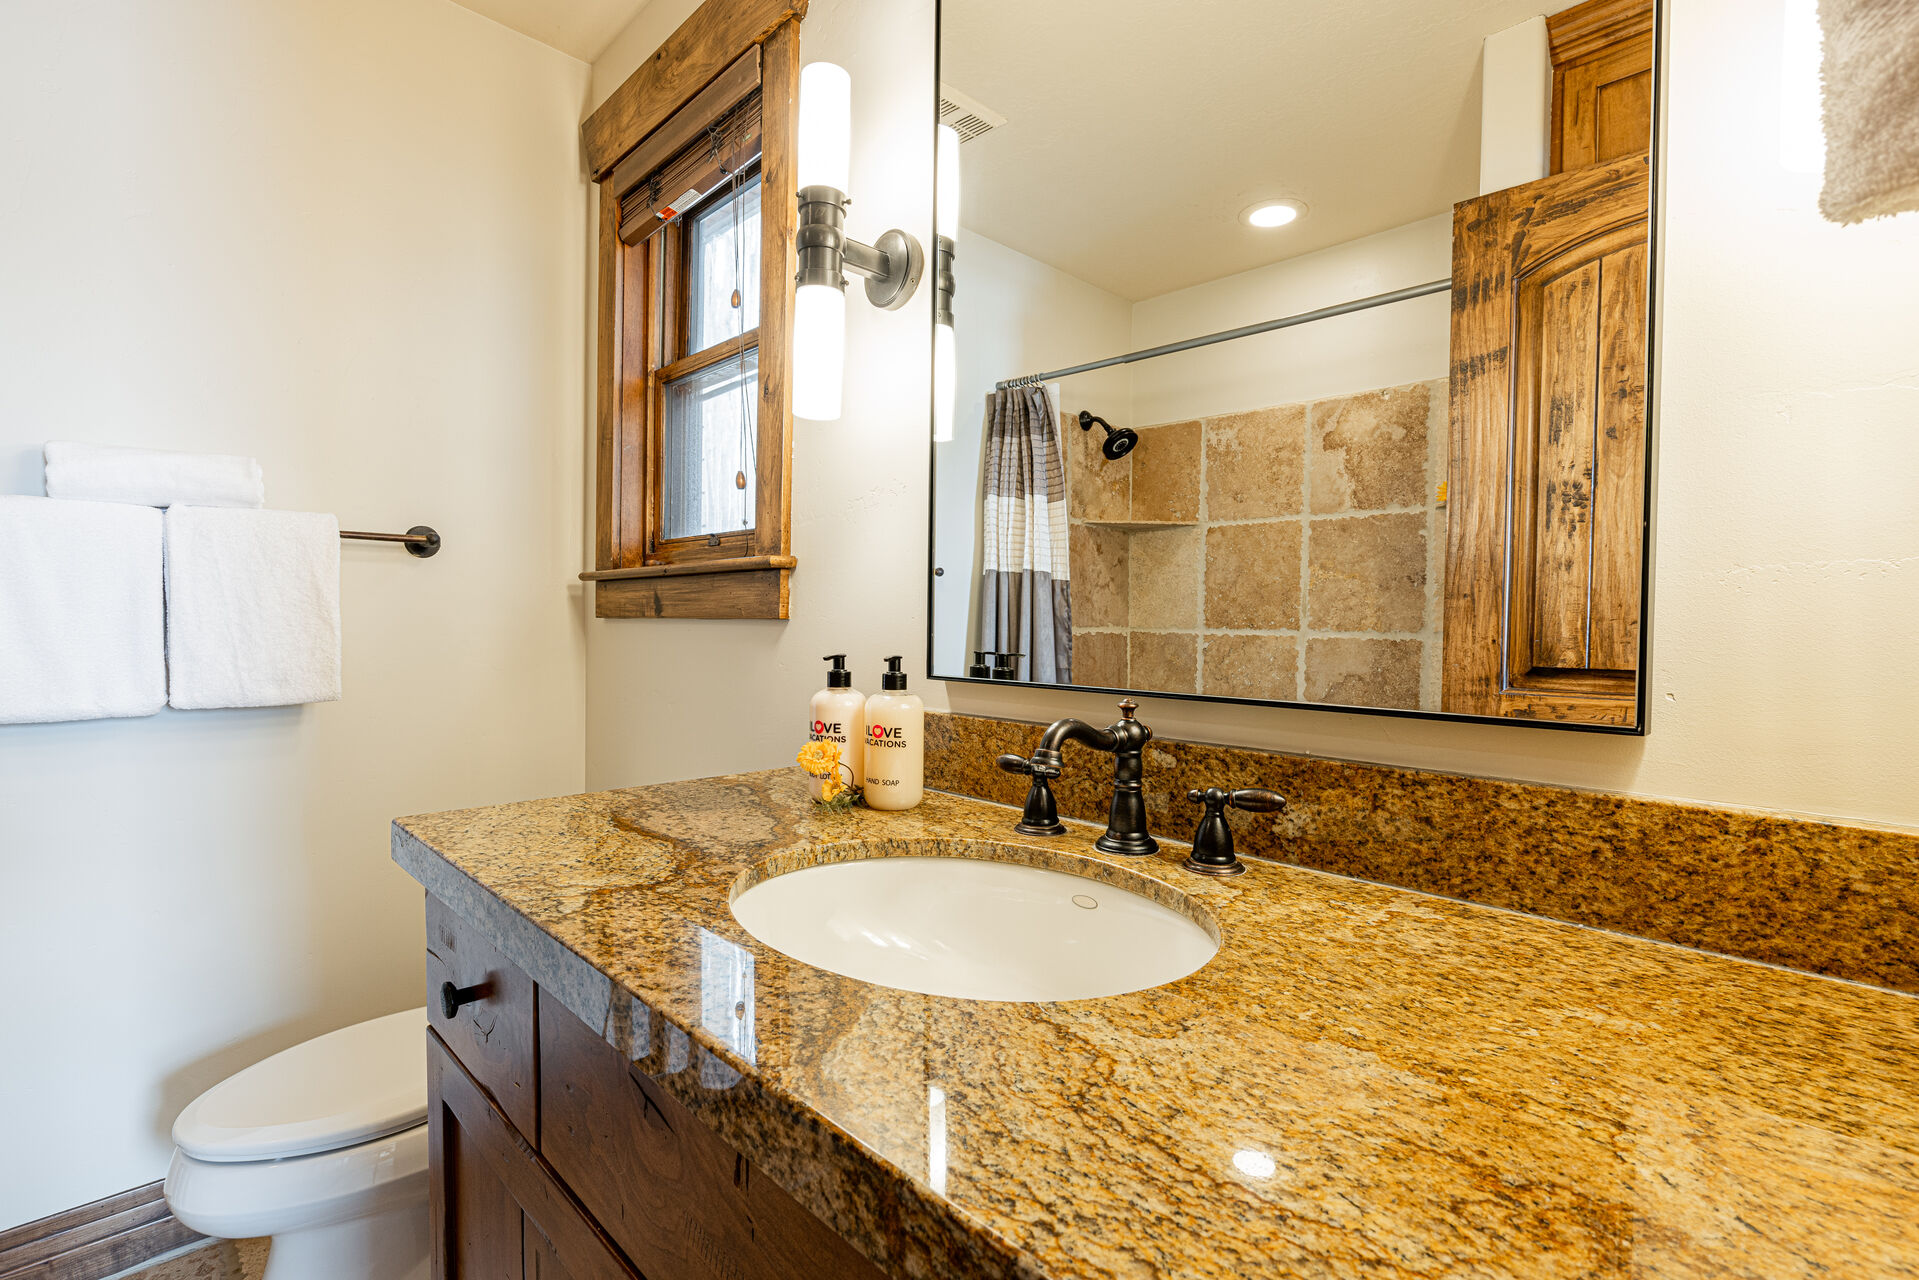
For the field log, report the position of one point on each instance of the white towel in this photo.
(1871, 75)
(81, 627)
(152, 477)
(253, 607)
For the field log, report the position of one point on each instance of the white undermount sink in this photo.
(976, 927)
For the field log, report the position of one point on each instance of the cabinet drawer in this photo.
(492, 1033)
(679, 1201)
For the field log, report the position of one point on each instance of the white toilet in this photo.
(323, 1148)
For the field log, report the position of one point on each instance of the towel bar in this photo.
(421, 540)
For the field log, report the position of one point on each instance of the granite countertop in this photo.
(1364, 1082)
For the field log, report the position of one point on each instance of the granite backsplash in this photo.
(1825, 897)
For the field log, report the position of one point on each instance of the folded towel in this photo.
(152, 477)
(81, 627)
(1871, 75)
(253, 607)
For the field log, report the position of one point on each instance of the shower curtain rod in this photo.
(1245, 331)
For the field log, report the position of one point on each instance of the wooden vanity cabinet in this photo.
(552, 1158)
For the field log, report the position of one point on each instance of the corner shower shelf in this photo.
(1139, 526)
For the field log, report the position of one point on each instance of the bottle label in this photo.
(830, 730)
(883, 736)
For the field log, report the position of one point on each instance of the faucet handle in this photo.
(1213, 840)
(1256, 800)
(1040, 816)
(1032, 768)
(1128, 709)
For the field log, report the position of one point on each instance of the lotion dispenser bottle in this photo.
(895, 743)
(839, 715)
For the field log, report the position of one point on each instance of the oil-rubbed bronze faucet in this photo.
(1126, 740)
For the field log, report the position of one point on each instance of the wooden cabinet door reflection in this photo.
(1546, 517)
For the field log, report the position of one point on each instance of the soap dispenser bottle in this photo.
(838, 715)
(895, 743)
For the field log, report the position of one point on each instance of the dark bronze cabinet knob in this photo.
(452, 997)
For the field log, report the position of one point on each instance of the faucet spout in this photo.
(1125, 741)
(1061, 732)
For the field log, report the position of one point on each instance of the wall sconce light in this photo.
(946, 216)
(892, 267)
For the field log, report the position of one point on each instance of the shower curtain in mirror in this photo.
(1025, 595)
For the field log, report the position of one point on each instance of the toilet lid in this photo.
(346, 1087)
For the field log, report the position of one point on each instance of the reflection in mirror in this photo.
(1300, 352)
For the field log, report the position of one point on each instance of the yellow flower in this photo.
(822, 760)
(830, 787)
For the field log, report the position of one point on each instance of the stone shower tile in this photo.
(1369, 451)
(1163, 577)
(1099, 658)
(1368, 573)
(1164, 662)
(1364, 673)
(1252, 576)
(1099, 567)
(1166, 472)
(1256, 464)
(1096, 487)
(1251, 667)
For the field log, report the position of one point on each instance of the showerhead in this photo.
(1119, 440)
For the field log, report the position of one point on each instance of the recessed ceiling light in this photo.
(1273, 213)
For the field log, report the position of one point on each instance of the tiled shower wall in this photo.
(1295, 552)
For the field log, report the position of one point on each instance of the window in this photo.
(704, 486)
(696, 268)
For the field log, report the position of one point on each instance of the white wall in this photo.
(1787, 587)
(1516, 106)
(343, 236)
(1013, 315)
(1387, 346)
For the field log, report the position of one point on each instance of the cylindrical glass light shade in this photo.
(826, 127)
(819, 351)
(945, 375)
(947, 215)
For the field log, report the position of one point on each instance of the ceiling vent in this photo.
(968, 117)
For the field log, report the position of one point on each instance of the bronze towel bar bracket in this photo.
(421, 540)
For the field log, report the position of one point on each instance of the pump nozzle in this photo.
(893, 678)
(837, 676)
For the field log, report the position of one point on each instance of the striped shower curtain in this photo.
(1025, 595)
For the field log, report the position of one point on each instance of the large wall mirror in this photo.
(1297, 351)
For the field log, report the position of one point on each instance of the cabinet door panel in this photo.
(1566, 312)
(676, 1199)
(542, 1261)
(1602, 54)
(498, 1208)
(1619, 496)
(475, 1221)
(1545, 525)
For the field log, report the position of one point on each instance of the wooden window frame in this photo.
(735, 575)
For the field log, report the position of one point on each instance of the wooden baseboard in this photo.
(93, 1240)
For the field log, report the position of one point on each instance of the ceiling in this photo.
(1138, 131)
(582, 28)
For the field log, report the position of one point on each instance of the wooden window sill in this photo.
(740, 587)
